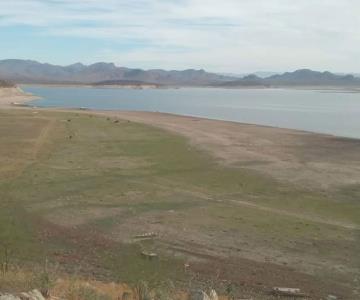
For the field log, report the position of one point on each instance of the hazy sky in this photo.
(217, 35)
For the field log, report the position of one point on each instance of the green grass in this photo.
(92, 162)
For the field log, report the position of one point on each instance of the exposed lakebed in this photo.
(330, 112)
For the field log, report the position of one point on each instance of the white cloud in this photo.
(227, 35)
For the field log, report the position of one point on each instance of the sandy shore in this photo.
(8, 96)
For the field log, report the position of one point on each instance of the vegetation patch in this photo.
(77, 188)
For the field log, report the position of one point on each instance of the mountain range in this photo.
(302, 77)
(28, 71)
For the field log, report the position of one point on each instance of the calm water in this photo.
(325, 112)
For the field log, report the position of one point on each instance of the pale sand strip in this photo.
(9, 96)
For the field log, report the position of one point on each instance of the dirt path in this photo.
(41, 139)
(37, 146)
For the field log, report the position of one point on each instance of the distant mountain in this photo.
(28, 71)
(265, 74)
(355, 74)
(303, 77)
(261, 74)
(309, 77)
(130, 83)
(247, 81)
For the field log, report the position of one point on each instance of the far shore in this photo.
(332, 89)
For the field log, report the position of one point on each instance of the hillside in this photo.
(27, 71)
(127, 83)
(309, 77)
(303, 77)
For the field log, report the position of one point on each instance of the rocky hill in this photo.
(303, 77)
(128, 83)
(28, 71)
(309, 77)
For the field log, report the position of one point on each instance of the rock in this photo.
(288, 292)
(33, 295)
(199, 295)
(331, 297)
(149, 255)
(213, 295)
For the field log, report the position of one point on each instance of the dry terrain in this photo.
(304, 158)
(242, 205)
(11, 95)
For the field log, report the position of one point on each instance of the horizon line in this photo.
(224, 73)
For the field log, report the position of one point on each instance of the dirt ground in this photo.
(253, 205)
(308, 159)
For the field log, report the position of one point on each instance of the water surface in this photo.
(324, 112)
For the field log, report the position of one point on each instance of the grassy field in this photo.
(77, 188)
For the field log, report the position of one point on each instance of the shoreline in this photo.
(15, 96)
(138, 114)
(306, 159)
(330, 89)
(107, 112)
(273, 151)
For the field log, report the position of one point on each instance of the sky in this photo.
(228, 36)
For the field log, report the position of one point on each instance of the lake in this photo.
(336, 113)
